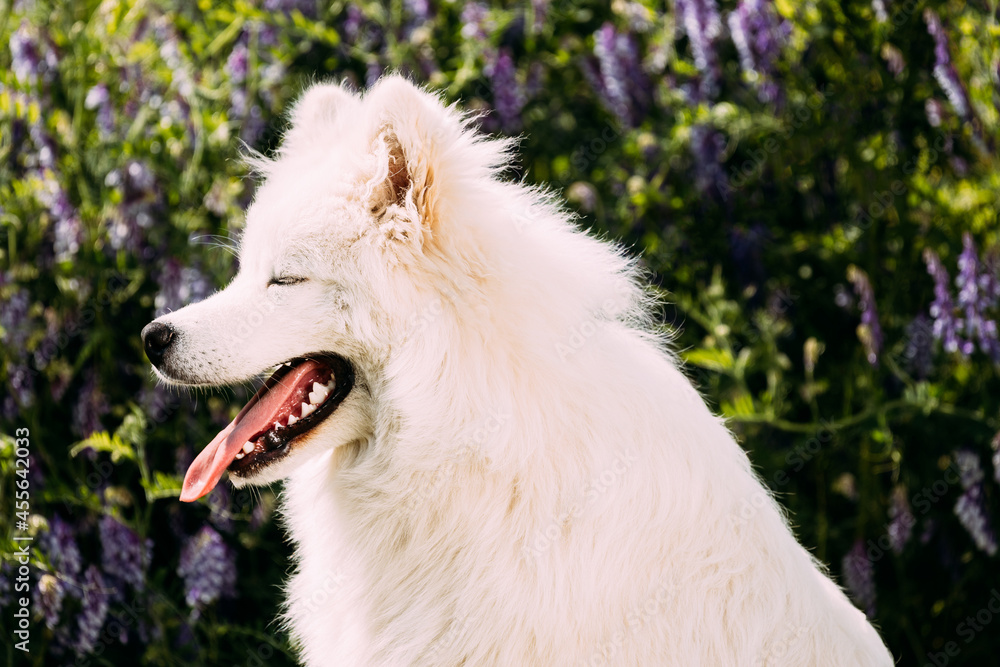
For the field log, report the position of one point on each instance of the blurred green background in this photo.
(813, 185)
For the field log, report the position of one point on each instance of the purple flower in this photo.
(170, 51)
(14, 319)
(208, 567)
(238, 63)
(996, 457)
(93, 613)
(989, 279)
(700, 21)
(90, 406)
(759, 34)
(944, 70)
(16, 325)
(707, 148)
(179, 286)
(474, 21)
(352, 24)
(977, 293)
(971, 512)
(881, 11)
(419, 9)
(373, 71)
(971, 506)
(969, 471)
(6, 583)
(123, 553)
(99, 98)
(68, 228)
(870, 332)
(637, 17)
(540, 12)
(893, 57)
(618, 77)
(24, 56)
(59, 546)
(48, 602)
(508, 95)
(307, 7)
(942, 309)
(137, 212)
(919, 346)
(901, 519)
(612, 72)
(934, 110)
(45, 145)
(30, 61)
(22, 386)
(859, 577)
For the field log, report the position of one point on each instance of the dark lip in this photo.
(277, 445)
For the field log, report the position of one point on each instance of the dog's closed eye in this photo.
(286, 280)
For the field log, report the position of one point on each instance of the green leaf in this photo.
(720, 361)
(105, 442)
(133, 428)
(162, 485)
(741, 406)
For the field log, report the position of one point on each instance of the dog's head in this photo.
(341, 244)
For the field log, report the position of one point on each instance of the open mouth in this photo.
(294, 400)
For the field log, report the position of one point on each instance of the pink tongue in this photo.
(257, 416)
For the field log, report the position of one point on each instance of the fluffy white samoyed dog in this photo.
(490, 458)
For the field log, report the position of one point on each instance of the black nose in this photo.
(156, 339)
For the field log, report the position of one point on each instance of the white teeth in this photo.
(248, 447)
(318, 394)
(277, 425)
(331, 384)
(240, 455)
(307, 409)
(292, 419)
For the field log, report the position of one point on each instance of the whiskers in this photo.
(227, 243)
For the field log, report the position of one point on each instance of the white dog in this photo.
(490, 458)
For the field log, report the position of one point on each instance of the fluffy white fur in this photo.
(522, 475)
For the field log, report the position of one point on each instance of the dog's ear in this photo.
(410, 130)
(317, 114)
